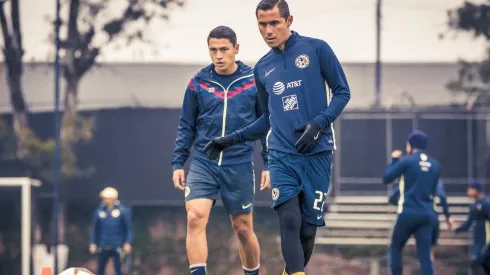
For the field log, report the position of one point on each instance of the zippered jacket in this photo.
(211, 110)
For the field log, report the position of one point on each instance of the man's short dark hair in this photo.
(266, 5)
(223, 32)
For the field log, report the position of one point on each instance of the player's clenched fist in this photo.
(396, 154)
(265, 181)
(179, 179)
(309, 136)
(215, 146)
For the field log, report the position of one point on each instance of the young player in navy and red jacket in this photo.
(419, 175)
(299, 112)
(219, 100)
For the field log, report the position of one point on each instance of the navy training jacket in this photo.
(419, 175)
(440, 193)
(211, 110)
(303, 83)
(111, 228)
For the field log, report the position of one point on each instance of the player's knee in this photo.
(243, 233)
(308, 231)
(290, 220)
(243, 226)
(196, 220)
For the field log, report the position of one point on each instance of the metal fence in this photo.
(365, 139)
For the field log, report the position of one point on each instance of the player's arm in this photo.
(186, 131)
(485, 206)
(259, 128)
(443, 199)
(465, 226)
(394, 170)
(127, 223)
(94, 229)
(393, 199)
(263, 140)
(334, 75)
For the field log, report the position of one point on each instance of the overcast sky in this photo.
(409, 34)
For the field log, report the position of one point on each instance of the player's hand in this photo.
(92, 248)
(310, 134)
(215, 146)
(127, 248)
(450, 223)
(265, 181)
(179, 179)
(396, 154)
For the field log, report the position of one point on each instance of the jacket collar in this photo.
(289, 42)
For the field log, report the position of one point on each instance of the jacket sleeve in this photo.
(466, 225)
(486, 209)
(395, 170)
(441, 194)
(129, 228)
(334, 75)
(259, 128)
(94, 228)
(263, 140)
(186, 131)
(393, 199)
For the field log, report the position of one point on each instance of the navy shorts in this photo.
(235, 183)
(307, 177)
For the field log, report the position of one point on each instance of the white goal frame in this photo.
(25, 184)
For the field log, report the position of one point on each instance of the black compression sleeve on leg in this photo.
(290, 225)
(308, 233)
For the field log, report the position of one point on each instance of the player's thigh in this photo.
(202, 181)
(423, 238)
(316, 183)
(402, 230)
(284, 178)
(237, 187)
(198, 211)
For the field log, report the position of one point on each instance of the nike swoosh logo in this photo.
(317, 135)
(267, 73)
(319, 217)
(246, 206)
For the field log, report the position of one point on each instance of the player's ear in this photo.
(237, 48)
(289, 21)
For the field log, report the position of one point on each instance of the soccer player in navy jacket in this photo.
(219, 100)
(299, 111)
(111, 231)
(441, 195)
(419, 174)
(479, 220)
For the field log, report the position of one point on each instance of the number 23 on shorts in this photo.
(319, 200)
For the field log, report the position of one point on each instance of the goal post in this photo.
(25, 184)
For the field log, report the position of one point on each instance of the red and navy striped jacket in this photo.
(211, 110)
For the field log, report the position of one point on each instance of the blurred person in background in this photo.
(479, 220)
(419, 175)
(220, 99)
(441, 196)
(111, 234)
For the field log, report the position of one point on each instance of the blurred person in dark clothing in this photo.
(111, 234)
(479, 221)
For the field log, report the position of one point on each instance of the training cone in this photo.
(46, 271)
